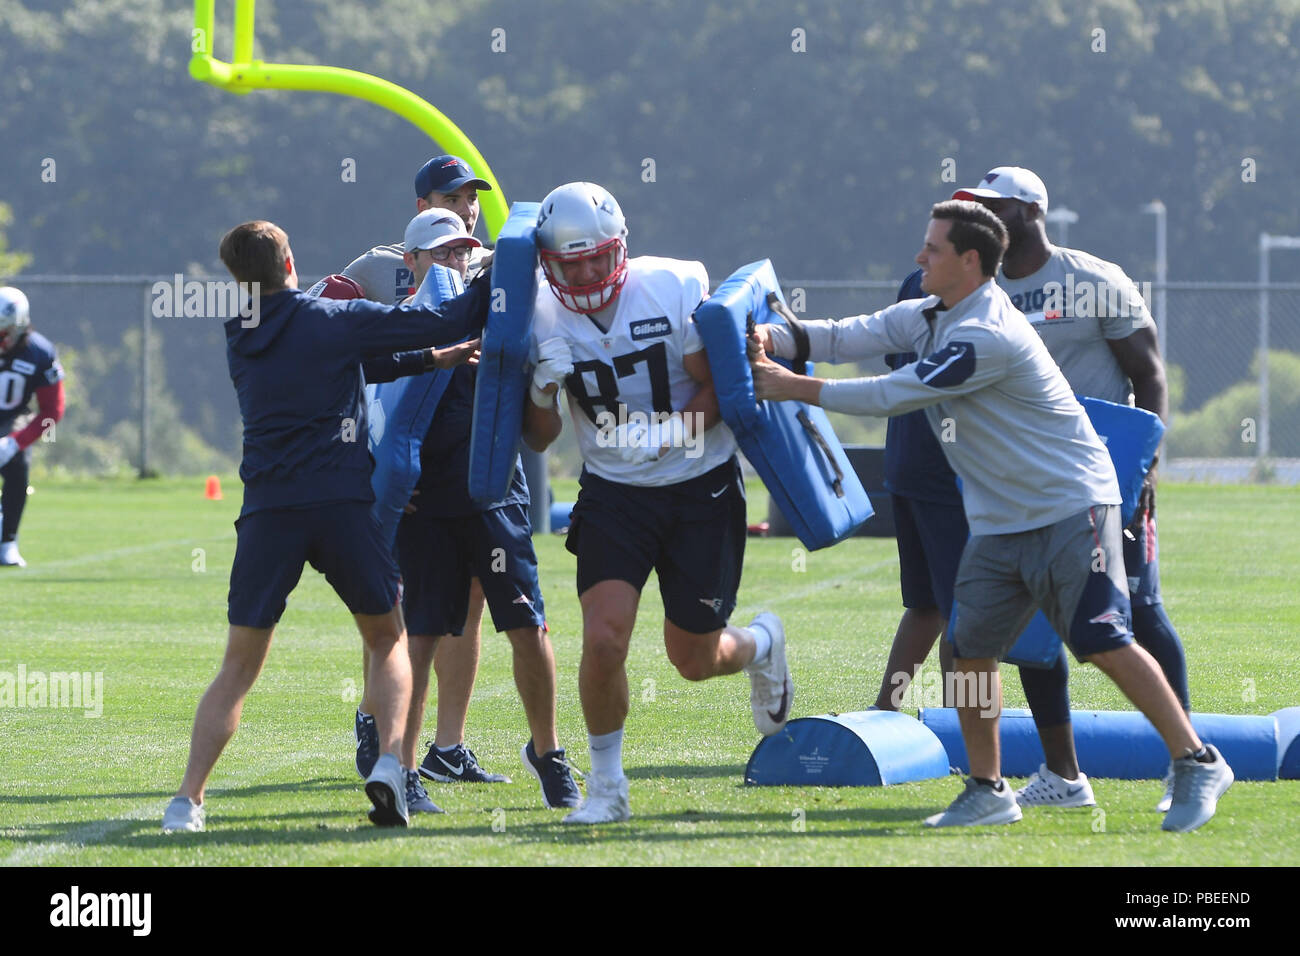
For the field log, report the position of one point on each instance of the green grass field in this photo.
(129, 579)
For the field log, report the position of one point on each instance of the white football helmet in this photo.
(15, 318)
(580, 221)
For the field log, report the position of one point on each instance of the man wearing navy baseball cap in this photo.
(447, 182)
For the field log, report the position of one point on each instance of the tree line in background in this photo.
(813, 133)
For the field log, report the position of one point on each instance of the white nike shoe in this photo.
(1048, 789)
(771, 692)
(1168, 798)
(606, 801)
(183, 814)
(9, 556)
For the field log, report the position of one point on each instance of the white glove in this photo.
(639, 442)
(554, 365)
(8, 448)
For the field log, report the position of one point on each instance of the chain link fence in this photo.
(148, 392)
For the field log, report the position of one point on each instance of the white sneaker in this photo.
(183, 814)
(606, 801)
(9, 556)
(979, 805)
(1168, 798)
(771, 692)
(1197, 789)
(1048, 789)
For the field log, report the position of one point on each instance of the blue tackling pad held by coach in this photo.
(791, 445)
(1132, 436)
(502, 383)
(399, 413)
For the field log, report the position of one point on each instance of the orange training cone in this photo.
(213, 490)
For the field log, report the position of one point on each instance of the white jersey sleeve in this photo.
(634, 371)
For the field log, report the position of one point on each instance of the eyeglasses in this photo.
(445, 253)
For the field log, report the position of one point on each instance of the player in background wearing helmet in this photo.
(386, 274)
(661, 486)
(446, 538)
(1105, 343)
(28, 365)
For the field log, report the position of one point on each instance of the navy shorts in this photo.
(930, 541)
(1142, 564)
(692, 534)
(439, 556)
(342, 541)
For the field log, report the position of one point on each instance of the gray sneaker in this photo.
(386, 788)
(1197, 789)
(1167, 800)
(183, 814)
(417, 798)
(978, 805)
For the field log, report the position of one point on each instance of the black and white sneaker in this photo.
(554, 772)
(367, 744)
(457, 765)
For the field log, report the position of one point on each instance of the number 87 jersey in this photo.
(634, 370)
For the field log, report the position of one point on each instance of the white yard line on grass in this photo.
(48, 567)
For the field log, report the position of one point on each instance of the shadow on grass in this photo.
(686, 772)
(319, 783)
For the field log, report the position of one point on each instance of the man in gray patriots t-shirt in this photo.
(1094, 323)
(1038, 487)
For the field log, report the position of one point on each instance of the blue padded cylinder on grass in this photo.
(1288, 743)
(866, 749)
(1120, 745)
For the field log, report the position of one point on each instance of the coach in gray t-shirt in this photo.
(1038, 486)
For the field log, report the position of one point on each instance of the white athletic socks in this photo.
(762, 645)
(606, 754)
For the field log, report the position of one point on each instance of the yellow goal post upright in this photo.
(244, 74)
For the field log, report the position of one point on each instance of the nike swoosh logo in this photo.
(779, 714)
(936, 369)
(456, 770)
(719, 493)
(1073, 790)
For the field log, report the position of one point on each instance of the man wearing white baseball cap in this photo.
(1104, 340)
(445, 541)
(1008, 182)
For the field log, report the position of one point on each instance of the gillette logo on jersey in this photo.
(651, 329)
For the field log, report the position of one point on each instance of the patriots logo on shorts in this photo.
(1110, 617)
(522, 599)
(714, 603)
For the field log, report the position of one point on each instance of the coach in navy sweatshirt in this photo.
(295, 362)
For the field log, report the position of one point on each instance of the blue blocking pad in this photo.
(791, 445)
(867, 749)
(502, 383)
(399, 415)
(1132, 436)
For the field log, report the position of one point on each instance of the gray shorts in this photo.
(1073, 570)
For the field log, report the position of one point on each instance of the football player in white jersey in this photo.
(661, 486)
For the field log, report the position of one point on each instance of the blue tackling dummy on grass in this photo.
(502, 383)
(871, 748)
(1123, 745)
(399, 413)
(791, 445)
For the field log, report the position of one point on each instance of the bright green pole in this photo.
(245, 74)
